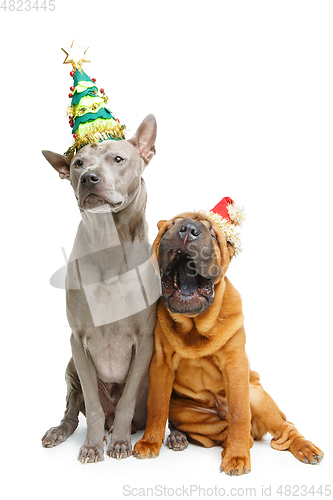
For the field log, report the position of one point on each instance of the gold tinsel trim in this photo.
(105, 132)
(72, 110)
(93, 108)
(229, 228)
(236, 214)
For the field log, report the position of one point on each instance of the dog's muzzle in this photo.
(187, 258)
(92, 193)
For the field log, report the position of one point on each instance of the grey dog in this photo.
(111, 294)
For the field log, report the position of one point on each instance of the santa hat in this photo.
(227, 215)
(91, 121)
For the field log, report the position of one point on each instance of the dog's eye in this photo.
(78, 163)
(118, 159)
(212, 232)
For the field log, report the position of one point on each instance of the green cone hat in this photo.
(90, 119)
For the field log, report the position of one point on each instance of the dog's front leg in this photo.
(93, 448)
(161, 379)
(120, 444)
(235, 369)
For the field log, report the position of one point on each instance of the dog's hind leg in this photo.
(267, 417)
(176, 440)
(74, 404)
(202, 425)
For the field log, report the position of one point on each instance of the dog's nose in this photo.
(90, 178)
(190, 229)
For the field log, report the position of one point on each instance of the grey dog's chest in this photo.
(106, 292)
(111, 351)
(114, 281)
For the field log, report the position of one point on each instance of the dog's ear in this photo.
(231, 250)
(144, 138)
(160, 224)
(59, 162)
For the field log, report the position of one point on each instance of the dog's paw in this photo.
(235, 465)
(177, 441)
(306, 451)
(119, 450)
(55, 436)
(146, 449)
(91, 454)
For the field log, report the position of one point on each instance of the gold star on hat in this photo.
(75, 55)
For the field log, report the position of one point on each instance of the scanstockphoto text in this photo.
(200, 256)
(196, 490)
(27, 5)
(139, 287)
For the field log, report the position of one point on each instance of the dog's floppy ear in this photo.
(226, 248)
(59, 162)
(231, 250)
(144, 138)
(163, 226)
(160, 224)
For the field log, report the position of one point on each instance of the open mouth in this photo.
(184, 290)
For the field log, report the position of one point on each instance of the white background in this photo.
(243, 96)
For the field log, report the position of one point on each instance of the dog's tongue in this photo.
(187, 281)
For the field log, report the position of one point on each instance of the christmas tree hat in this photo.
(91, 121)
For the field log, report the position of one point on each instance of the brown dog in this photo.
(199, 374)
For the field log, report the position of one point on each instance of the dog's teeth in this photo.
(175, 276)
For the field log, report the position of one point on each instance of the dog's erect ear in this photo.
(59, 162)
(144, 138)
(231, 250)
